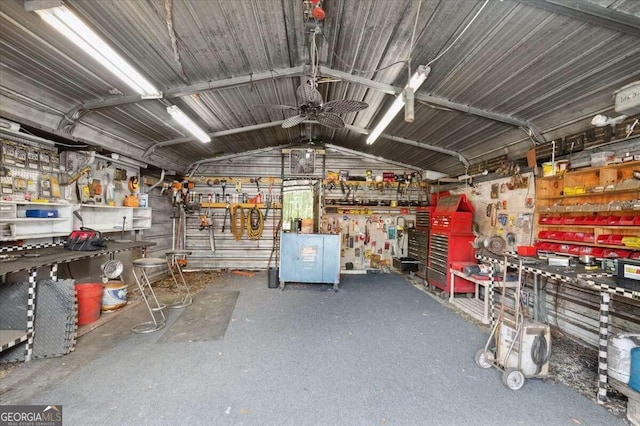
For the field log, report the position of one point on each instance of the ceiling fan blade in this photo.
(346, 105)
(330, 119)
(276, 107)
(307, 94)
(292, 121)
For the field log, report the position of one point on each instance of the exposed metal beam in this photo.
(200, 87)
(392, 90)
(372, 157)
(461, 157)
(592, 13)
(380, 87)
(235, 131)
(70, 119)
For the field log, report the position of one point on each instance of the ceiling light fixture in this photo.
(188, 124)
(72, 27)
(602, 120)
(415, 82)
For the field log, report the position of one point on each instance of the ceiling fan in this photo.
(311, 106)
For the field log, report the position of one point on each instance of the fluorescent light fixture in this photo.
(414, 83)
(602, 120)
(67, 23)
(188, 124)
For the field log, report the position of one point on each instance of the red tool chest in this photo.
(450, 240)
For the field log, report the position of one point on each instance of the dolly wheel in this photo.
(483, 359)
(513, 378)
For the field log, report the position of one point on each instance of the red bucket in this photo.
(89, 302)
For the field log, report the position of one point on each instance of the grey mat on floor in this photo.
(206, 319)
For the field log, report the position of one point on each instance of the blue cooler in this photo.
(634, 377)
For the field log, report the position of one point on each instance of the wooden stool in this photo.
(186, 299)
(155, 308)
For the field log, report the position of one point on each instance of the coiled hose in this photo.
(237, 229)
(255, 223)
(539, 353)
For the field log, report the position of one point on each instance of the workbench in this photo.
(601, 281)
(43, 255)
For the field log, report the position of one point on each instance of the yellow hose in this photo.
(255, 233)
(237, 230)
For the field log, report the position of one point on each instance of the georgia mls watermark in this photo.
(30, 415)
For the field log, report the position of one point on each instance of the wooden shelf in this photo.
(592, 194)
(588, 170)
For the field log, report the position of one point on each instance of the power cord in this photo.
(237, 229)
(255, 223)
(539, 352)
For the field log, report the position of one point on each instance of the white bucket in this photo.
(619, 355)
(114, 295)
(548, 169)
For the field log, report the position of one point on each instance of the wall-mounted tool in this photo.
(75, 176)
(133, 184)
(76, 213)
(226, 215)
(257, 182)
(223, 185)
(206, 223)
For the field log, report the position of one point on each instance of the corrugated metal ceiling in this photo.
(540, 63)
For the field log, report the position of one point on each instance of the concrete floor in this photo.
(379, 351)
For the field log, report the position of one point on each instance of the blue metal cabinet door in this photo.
(331, 259)
(301, 258)
(310, 256)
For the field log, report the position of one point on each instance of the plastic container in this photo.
(89, 302)
(41, 213)
(548, 169)
(527, 251)
(601, 158)
(619, 348)
(114, 295)
(634, 376)
(562, 165)
(306, 226)
(273, 277)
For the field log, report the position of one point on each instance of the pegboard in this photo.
(516, 204)
(110, 176)
(29, 171)
(382, 234)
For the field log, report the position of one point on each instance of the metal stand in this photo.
(158, 320)
(187, 298)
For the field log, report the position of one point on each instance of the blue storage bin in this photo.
(634, 377)
(41, 213)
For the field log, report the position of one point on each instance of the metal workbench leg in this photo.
(31, 310)
(535, 298)
(451, 285)
(492, 307)
(602, 350)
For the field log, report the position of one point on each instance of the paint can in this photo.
(548, 169)
(619, 348)
(114, 295)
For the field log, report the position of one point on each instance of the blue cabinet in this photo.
(310, 258)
